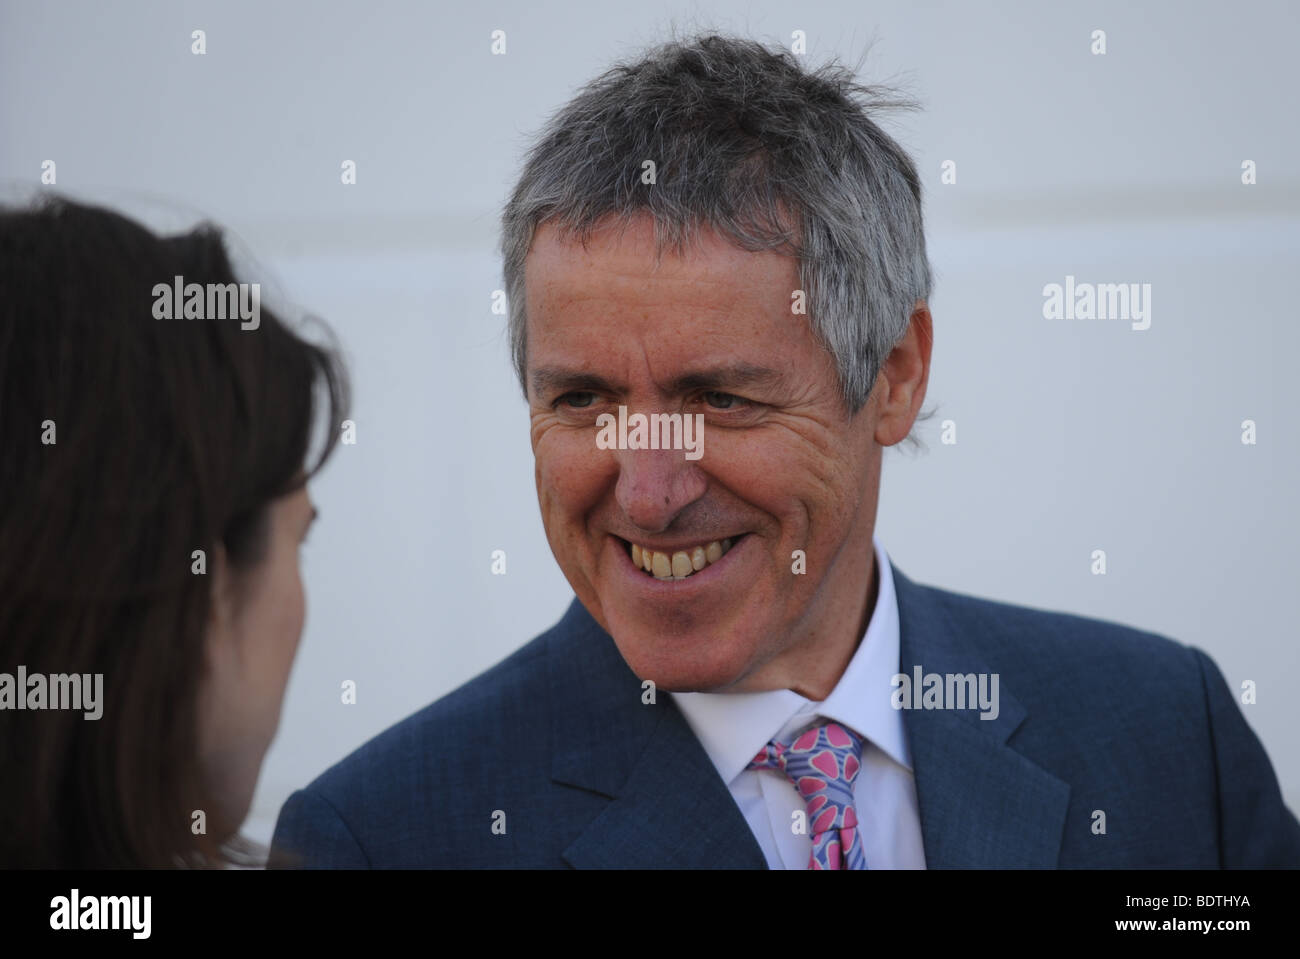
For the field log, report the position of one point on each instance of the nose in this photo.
(656, 485)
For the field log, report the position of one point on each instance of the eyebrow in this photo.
(731, 375)
(554, 379)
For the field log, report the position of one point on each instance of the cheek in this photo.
(295, 614)
(274, 626)
(769, 472)
(572, 474)
(811, 490)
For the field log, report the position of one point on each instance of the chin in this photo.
(684, 663)
(703, 633)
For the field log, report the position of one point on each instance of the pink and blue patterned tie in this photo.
(822, 763)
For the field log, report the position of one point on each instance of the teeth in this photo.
(662, 568)
(681, 564)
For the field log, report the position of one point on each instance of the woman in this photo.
(156, 451)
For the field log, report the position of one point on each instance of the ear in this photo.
(903, 379)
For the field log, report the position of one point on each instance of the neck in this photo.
(819, 687)
(815, 665)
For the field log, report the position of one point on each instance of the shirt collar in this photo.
(734, 727)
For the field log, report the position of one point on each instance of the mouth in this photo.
(678, 564)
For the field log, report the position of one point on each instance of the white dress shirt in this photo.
(734, 727)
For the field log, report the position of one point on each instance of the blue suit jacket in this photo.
(1093, 716)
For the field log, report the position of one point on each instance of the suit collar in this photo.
(669, 807)
(981, 802)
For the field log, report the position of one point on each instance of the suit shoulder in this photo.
(1064, 642)
(1085, 681)
(499, 700)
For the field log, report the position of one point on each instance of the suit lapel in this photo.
(668, 805)
(981, 802)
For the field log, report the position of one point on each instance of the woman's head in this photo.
(153, 484)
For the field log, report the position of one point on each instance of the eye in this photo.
(723, 401)
(577, 400)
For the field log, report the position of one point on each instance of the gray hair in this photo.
(740, 136)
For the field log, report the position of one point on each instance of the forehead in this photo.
(616, 294)
(627, 248)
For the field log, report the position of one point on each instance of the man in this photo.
(744, 680)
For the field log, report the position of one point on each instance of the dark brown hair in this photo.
(170, 435)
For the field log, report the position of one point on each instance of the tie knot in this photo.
(822, 763)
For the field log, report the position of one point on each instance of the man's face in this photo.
(784, 468)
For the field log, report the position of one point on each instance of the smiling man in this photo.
(744, 679)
